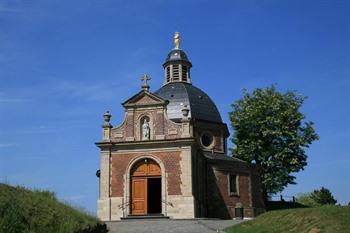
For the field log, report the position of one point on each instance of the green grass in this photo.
(26, 211)
(328, 219)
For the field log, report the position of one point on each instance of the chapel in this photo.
(168, 157)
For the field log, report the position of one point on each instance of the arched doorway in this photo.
(146, 188)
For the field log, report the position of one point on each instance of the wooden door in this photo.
(142, 170)
(139, 196)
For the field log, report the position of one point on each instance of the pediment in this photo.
(144, 98)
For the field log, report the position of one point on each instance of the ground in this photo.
(171, 226)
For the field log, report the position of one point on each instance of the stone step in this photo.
(145, 217)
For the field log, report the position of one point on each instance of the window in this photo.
(184, 73)
(168, 74)
(175, 72)
(207, 140)
(233, 184)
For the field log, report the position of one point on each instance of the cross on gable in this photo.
(145, 85)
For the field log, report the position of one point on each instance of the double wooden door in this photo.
(141, 183)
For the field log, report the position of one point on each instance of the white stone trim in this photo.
(160, 149)
(229, 184)
(186, 171)
(138, 123)
(127, 180)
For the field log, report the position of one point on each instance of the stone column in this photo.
(106, 127)
(103, 205)
(103, 209)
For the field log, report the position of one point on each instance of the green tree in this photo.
(323, 197)
(270, 131)
(307, 200)
(317, 198)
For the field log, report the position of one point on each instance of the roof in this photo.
(177, 55)
(200, 105)
(148, 97)
(217, 156)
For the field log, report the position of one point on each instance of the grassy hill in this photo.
(26, 211)
(328, 219)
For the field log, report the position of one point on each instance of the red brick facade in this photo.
(171, 161)
(222, 201)
(154, 109)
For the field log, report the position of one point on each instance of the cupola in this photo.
(177, 66)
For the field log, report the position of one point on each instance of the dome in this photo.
(199, 103)
(177, 55)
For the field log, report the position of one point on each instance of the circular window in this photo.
(206, 139)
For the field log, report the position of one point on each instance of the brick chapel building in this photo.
(169, 155)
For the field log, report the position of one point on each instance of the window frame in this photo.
(210, 135)
(229, 184)
(176, 72)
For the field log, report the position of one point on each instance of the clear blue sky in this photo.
(64, 63)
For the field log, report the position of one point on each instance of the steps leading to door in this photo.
(150, 216)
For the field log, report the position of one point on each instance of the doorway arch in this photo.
(146, 187)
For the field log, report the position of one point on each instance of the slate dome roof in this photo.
(199, 103)
(176, 55)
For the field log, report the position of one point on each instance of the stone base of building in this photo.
(176, 207)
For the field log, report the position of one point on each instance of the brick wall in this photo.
(171, 161)
(257, 195)
(217, 133)
(220, 202)
(160, 125)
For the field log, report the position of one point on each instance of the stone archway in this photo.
(146, 188)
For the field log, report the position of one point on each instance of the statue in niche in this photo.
(145, 130)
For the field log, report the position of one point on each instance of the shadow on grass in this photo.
(99, 228)
(283, 205)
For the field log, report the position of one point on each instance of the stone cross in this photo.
(145, 85)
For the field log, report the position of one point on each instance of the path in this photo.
(170, 226)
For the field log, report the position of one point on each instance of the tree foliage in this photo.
(323, 197)
(270, 131)
(317, 198)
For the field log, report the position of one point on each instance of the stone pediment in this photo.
(144, 98)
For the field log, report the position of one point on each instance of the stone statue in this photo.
(177, 40)
(145, 130)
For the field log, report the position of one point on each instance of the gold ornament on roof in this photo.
(177, 40)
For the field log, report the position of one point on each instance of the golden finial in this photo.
(177, 40)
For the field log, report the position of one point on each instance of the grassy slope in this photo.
(22, 210)
(329, 219)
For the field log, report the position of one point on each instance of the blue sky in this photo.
(64, 63)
